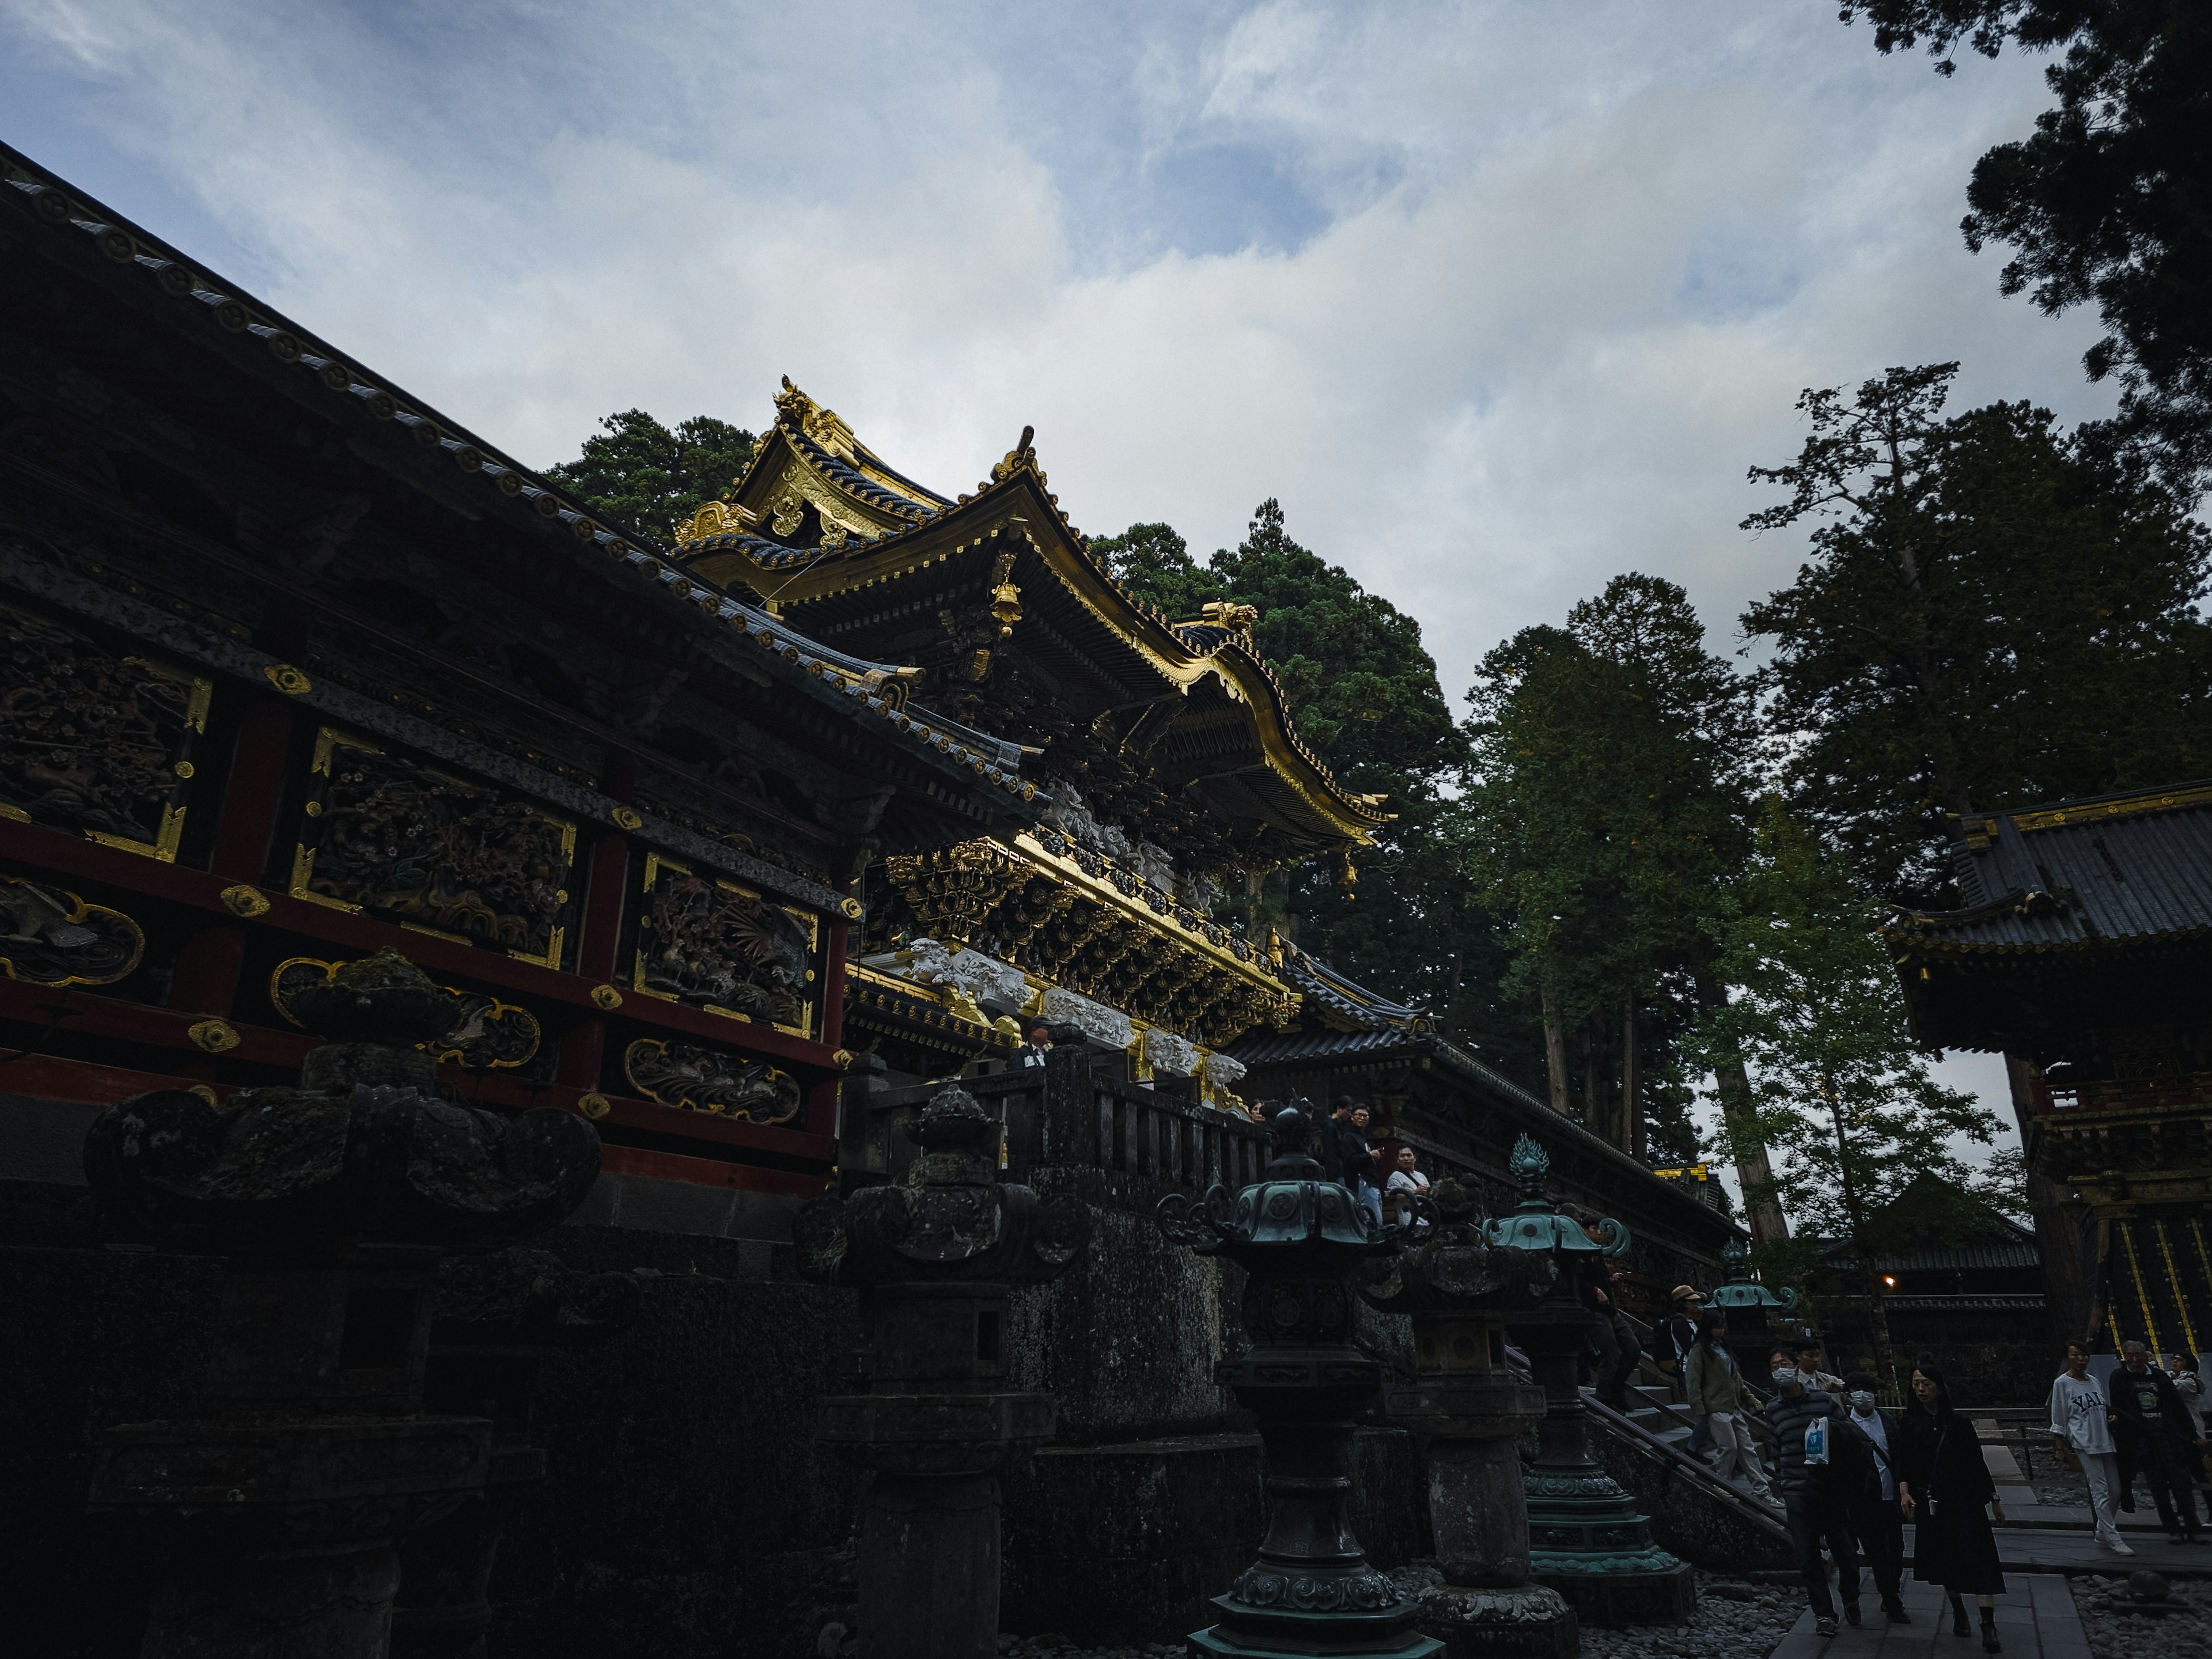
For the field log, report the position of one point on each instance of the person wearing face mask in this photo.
(2081, 1422)
(1943, 1487)
(1872, 1505)
(1814, 1480)
(2181, 1368)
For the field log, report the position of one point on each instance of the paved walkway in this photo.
(2037, 1620)
(2043, 1549)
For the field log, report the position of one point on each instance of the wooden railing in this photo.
(1079, 1110)
(2191, 1090)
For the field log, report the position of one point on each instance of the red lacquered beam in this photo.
(71, 855)
(134, 1022)
(710, 1172)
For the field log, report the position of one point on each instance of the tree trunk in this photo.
(1555, 1051)
(1755, 1173)
(1631, 1115)
(1593, 1082)
(1870, 1285)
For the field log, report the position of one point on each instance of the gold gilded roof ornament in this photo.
(822, 425)
(1019, 456)
(1006, 606)
(716, 518)
(1237, 618)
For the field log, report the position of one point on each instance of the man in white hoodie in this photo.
(2082, 1421)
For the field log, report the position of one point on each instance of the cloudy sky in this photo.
(1499, 300)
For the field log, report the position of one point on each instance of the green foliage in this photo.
(650, 479)
(2106, 200)
(1154, 564)
(1363, 692)
(1992, 614)
(1605, 806)
(1841, 1098)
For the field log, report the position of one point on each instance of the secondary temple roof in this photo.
(2079, 897)
(823, 532)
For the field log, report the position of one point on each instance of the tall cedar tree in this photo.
(1841, 1095)
(1992, 615)
(650, 479)
(2110, 199)
(1606, 803)
(1364, 693)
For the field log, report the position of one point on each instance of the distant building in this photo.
(1973, 1300)
(2084, 955)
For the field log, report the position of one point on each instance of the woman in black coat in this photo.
(1944, 1488)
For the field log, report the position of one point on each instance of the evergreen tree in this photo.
(1155, 564)
(1364, 694)
(1840, 1095)
(1992, 614)
(2106, 200)
(1607, 798)
(649, 479)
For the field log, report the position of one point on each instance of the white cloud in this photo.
(1499, 300)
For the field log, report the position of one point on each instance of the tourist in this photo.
(2082, 1421)
(1716, 1391)
(2154, 1435)
(1335, 1134)
(1039, 1045)
(1807, 1361)
(1943, 1487)
(1806, 1424)
(1872, 1507)
(1362, 1176)
(1670, 1346)
(1612, 1349)
(2181, 1368)
(1409, 1183)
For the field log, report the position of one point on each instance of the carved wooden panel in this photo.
(716, 945)
(49, 936)
(485, 1032)
(703, 1080)
(92, 740)
(439, 854)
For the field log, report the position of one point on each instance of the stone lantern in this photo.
(273, 1516)
(1299, 1238)
(1586, 1539)
(1751, 1309)
(934, 1260)
(1470, 1411)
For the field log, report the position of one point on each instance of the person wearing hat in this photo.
(1671, 1343)
(1678, 1329)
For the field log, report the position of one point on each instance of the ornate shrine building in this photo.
(1174, 771)
(738, 849)
(2084, 956)
(298, 668)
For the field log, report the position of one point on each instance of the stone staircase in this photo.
(1695, 1514)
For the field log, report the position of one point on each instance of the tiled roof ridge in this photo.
(1350, 998)
(1019, 464)
(876, 688)
(2124, 803)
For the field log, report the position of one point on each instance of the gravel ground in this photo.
(1733, 1620)
(2117, 1630)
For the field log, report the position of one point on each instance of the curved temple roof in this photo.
(868, 689)
(821, 529)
